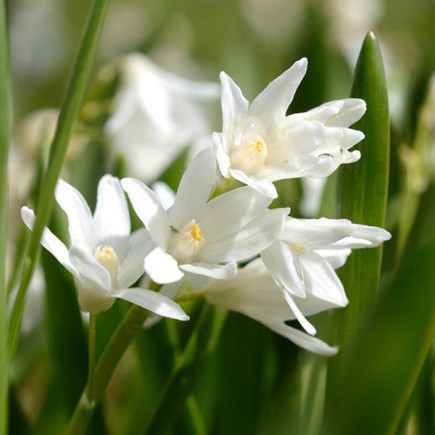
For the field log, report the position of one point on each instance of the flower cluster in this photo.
(204, 235)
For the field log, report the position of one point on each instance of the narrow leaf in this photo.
(182, 381)
(373, 389)
(363, 188)
(67, 118)
(4, 152)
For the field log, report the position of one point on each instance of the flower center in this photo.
(250, 156)
(107, 257)
(298, 249)
(186, 241)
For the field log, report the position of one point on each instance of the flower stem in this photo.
(4, 153)
(67, 118)
(190, 297)
(115, 349)
(92, 333)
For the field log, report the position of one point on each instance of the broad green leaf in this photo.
(372, 391)
(4, 198)
(363, 188)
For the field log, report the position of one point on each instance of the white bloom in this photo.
(203, 237)
(304, 260)
(312, 194)
(254, 293)
(155, 115)
(259, 144)
(103, 256)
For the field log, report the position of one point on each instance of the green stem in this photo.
(92, 333)
(67, 118)
(190, 297)
(4, 153)
(115, 349)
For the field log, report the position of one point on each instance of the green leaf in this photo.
(363, 188)
(67, 118)
(373, 389)
(201, 344)
(4, 198)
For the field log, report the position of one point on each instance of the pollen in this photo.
(258, 146)
(196, 232)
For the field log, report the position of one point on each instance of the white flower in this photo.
(202, 237)
(103, 256)
(155, 115)
(254, 293)
(304, 260)
(259, 144)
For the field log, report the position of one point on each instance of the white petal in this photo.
(265, 187)
(352, 110)
(256, 236)
(89, 269)
(335, 257)
(301, 339)
(271, 105)
(165, 194)
(195, 189)
(298, 313)
(321, 280)
(279, 262)
(231, 211)
(189, 88)
(149, 210)
(216, 271)
(132, 266)
(315, 232)
(351, 138)
(111, 215)
(161, 267)
(50, 242)
(152, 301)
(221, 154)
(234, 104)
(80, 222)
(374, 235)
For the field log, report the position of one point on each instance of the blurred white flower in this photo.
(155, 115)
(304, 260)
(350, 21)
(254, 293)
(103, 256)
(202, 237)
(259, 144)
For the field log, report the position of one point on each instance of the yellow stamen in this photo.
(258, 146)
(196, 232)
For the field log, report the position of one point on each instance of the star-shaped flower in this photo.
(103, 256)
(203, 237)
(259, 144)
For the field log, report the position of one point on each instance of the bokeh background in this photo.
(254, 381)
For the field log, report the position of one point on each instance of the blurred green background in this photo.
(255, 381)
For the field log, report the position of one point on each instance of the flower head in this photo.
(156, 114)
(255, 293)
(103, 256)
(203, 237)
(259, 144)
(304, 259)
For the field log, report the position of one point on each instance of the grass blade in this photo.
(202, 343)
(373, 389)
(4, 152)
(67, 118)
